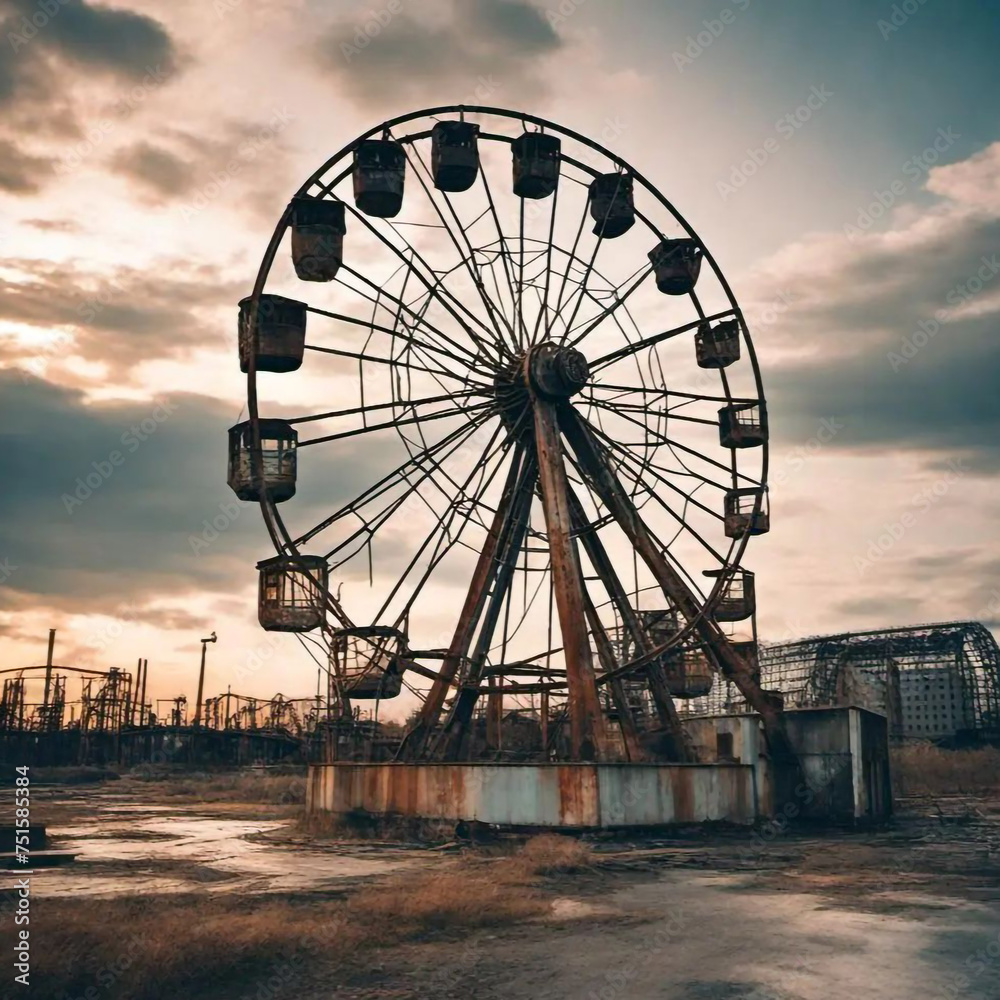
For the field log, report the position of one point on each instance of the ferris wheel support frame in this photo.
(565, 530)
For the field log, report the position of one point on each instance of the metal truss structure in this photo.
(887, 670)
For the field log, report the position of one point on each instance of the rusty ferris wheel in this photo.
(536, 433)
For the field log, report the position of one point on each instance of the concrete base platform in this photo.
(843, 753)
(560, 796)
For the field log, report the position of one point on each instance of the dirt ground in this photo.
(908, 912)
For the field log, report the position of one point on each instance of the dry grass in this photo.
(551, 854)
(924, 769)
(160, 948)
(237, 786)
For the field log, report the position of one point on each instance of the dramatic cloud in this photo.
(895, 332)
(243, 164)
(462, 48)
(159, 169)
(21, 173)
(46, 58)
(126, 503)
(119, 320)
(97, 38)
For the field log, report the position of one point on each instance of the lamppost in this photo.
(201, 679)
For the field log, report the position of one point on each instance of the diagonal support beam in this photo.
(512, 536)
(607, 485)
(682, 747)
(415, 741)
(587, 736)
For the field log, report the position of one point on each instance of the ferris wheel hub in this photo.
(556, 371)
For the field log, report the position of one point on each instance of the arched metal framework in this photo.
(530, 464)
(939, 681)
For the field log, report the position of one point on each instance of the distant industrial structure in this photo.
(936, 682)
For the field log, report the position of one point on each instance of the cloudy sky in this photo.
(841, 160)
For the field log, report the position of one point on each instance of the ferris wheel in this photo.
(508, 435)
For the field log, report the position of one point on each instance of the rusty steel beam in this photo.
(681, 746)
(512, 537)
(415, 741)
(587, 736)
(606, 655)
(607, 485)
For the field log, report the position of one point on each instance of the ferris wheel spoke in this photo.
(404, 405)
(687, 397)
(658, 338)
(428, 277)
(392, 362)
(393, 479)
(566, 273)
(415, 740)
(443, 296)
(361, 536)
(461, 411)
(617, 407)
(620, 300)
(672, 443)
(543, 311)
(581, 294)
(651, 470)
(443, 526)
(505, 256)
(419, 320)
(467, 258)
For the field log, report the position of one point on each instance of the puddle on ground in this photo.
(564, 908)
(152, 853)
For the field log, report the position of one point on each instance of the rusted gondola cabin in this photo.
(738, 599)
(368, 661)
(318, 229)
(687, 671)
(536, 164)
(676, 266)
(278, 442)
(291, 594)
(717, 346)
(280, 338)
(454, 155)
(611, 205)
(741, 513)
(743, 425)
(379, 174)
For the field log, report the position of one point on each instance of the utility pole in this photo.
(48, 674)
(201, 679)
